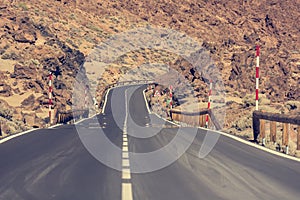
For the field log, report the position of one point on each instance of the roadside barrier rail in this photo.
(195, 118)
(67, 116)
(121, 83)
(259, 128)
(0, 128)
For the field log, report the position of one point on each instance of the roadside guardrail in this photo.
(121, 83)
(259, 127)
(0, 128)
(195, 118)
(67, 116)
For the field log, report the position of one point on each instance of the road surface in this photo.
(54, 164)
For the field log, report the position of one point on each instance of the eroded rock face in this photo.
(5, 90)
(6, 111)
(29, 101)
(24, 72)
(30, 119)
(229, 31)
(25, 37)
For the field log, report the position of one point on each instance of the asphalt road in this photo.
(54, 163)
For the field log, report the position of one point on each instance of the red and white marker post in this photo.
(86, 96)
(50, 97)
(171, 95)
(257, 85)
(208, 103)
(257, 76)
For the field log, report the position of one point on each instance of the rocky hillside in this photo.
(59, 35)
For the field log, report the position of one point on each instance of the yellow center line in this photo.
(125, 163)
(125, 148)
(126, 191)
(126, 174)
(125, 155)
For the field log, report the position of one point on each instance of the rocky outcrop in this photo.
(6, 111)
(47, 36)
(24, 72)
(5, 90)
(25, 37)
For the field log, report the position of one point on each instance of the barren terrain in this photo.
(61, 35)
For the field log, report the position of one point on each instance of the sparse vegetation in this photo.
(23, 6)
(6, 113)
(65, 29)
(11, 56)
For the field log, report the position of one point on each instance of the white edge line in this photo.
(54, 126)
(31, 130)
(147, 105)
(105, 101)
(106, 95)
(256, 145)
(16, 135)
(222, 133)
(248, 143)
(166, 120)
(126, 110)
(155, 113)
(86, 119)
(234, 137)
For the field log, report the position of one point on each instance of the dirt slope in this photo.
(58, 35)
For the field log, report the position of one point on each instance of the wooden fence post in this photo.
(209, 122)
(263, 131)
(0, 128)
(196, 121)
(298, 138)
(256, 126)
(203, 120)
(285, 136)
(273, 131)
(213, 120)
(200, 121)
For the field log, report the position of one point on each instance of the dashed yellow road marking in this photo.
(125, 148)
(125, 162)
(126, 191)
(125, 155)
(126, 174)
